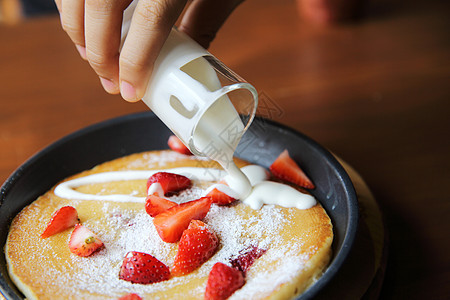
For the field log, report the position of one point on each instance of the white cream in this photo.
(253, 173)
(269, 192)
(262, 191)
(217, 135)
(155, 188)
(66, 189)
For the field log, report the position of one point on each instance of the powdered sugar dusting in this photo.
(123, 229)
(134, 231)
(237, 233)
(128, 231)
(188, 195)
(263, 282)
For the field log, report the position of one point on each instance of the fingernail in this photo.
(82, 51)
(127, 91)
(109, 86)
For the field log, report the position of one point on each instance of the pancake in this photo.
(297, 242)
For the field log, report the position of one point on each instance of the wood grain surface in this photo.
(376, 92)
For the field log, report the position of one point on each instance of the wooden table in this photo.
(375, 92)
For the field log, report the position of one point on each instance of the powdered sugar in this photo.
(125, 229)
(128, 230)
(263, 282)
(188, 195)
(237, 233)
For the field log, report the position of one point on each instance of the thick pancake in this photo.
(298, 242)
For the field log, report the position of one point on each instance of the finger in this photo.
(72, 20)
(103, 21)
(150, 26)
(58, 5)
(203, 18)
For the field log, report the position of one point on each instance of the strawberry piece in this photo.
(285, 168)
(63, 218)
(220, 198)
(223, 281)
(246, 258)
(170, 182)
(177, 145)
(84, 242)
(197, 244)
(131, 296)
(139, 267)
(155, 205)
(171, 223)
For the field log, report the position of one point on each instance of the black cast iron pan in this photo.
(121, 136)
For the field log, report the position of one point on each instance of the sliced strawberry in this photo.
(223, 281)
(197, 244)
(139, 267)
(84, 242)
(177, 145)
(170, 182)
(285, 168)
(220, 198)
(246, 258)
(131, 296)
(63, 218)
(171, 223)
(155, 205)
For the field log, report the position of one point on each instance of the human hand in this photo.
(95, 28)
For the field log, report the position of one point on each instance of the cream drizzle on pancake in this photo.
(262, 192)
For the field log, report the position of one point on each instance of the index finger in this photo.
(150, 26)
(103, 21)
